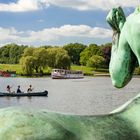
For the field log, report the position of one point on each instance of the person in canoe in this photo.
(18, 90)
(8, 88)
(30, 89)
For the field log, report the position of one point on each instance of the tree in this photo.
(74, 50)
(28, 64)
(11, 53)
(58, 58)
(40, 55)
(36, 59)
(62, 60)
(4, 54)
(85, 55)
(51, 56)
(95, 61)
(28, 52)
(106, 49)
(15, 53)
(46, 46)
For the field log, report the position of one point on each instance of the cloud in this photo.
(8, 33)
(49, 35)
(32, 5)
(94, 5)
(23, 5)
(40, 20)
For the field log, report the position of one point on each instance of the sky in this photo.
(58, 22)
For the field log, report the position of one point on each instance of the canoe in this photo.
(44, 93)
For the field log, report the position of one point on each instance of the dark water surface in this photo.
(91, 95)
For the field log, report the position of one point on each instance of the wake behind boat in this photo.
(44, 93)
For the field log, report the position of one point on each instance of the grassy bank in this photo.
(90, 71)
(11, 67)
(87, 70)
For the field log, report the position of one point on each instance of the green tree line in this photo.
(11, 53)
(36, 59)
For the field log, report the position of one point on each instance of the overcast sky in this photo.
(58, 22)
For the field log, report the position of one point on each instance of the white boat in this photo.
(66, 74)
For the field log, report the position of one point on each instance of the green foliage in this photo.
(34, 59)
(74, 50)
(46, 46)
(28, 52)
(37, 59)
(27, 63)
(137, 71)
(40, 56)
(62, 60)
(85, 55)
(106, 49)
(95, 61)
(51, 56)
(11, 53)
(58, 58)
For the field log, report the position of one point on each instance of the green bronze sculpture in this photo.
(125, 45)
(121, 124)
(22, 124)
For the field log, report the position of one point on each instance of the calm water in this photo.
(91, 95)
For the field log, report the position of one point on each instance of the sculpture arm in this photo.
(122, 62)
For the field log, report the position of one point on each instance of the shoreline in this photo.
(86, 75)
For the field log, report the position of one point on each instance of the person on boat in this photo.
(30, 89)
(8, 88)
(18, 89)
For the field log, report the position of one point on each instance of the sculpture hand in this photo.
(116, 19)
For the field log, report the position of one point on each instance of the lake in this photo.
(91, 95)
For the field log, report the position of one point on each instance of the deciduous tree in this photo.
(74, 50)
(95, 61)
(28, 64)
(85, 55)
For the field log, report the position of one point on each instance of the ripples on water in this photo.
(91, 95)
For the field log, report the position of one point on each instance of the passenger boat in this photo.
(66, 74)
(44, 93)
